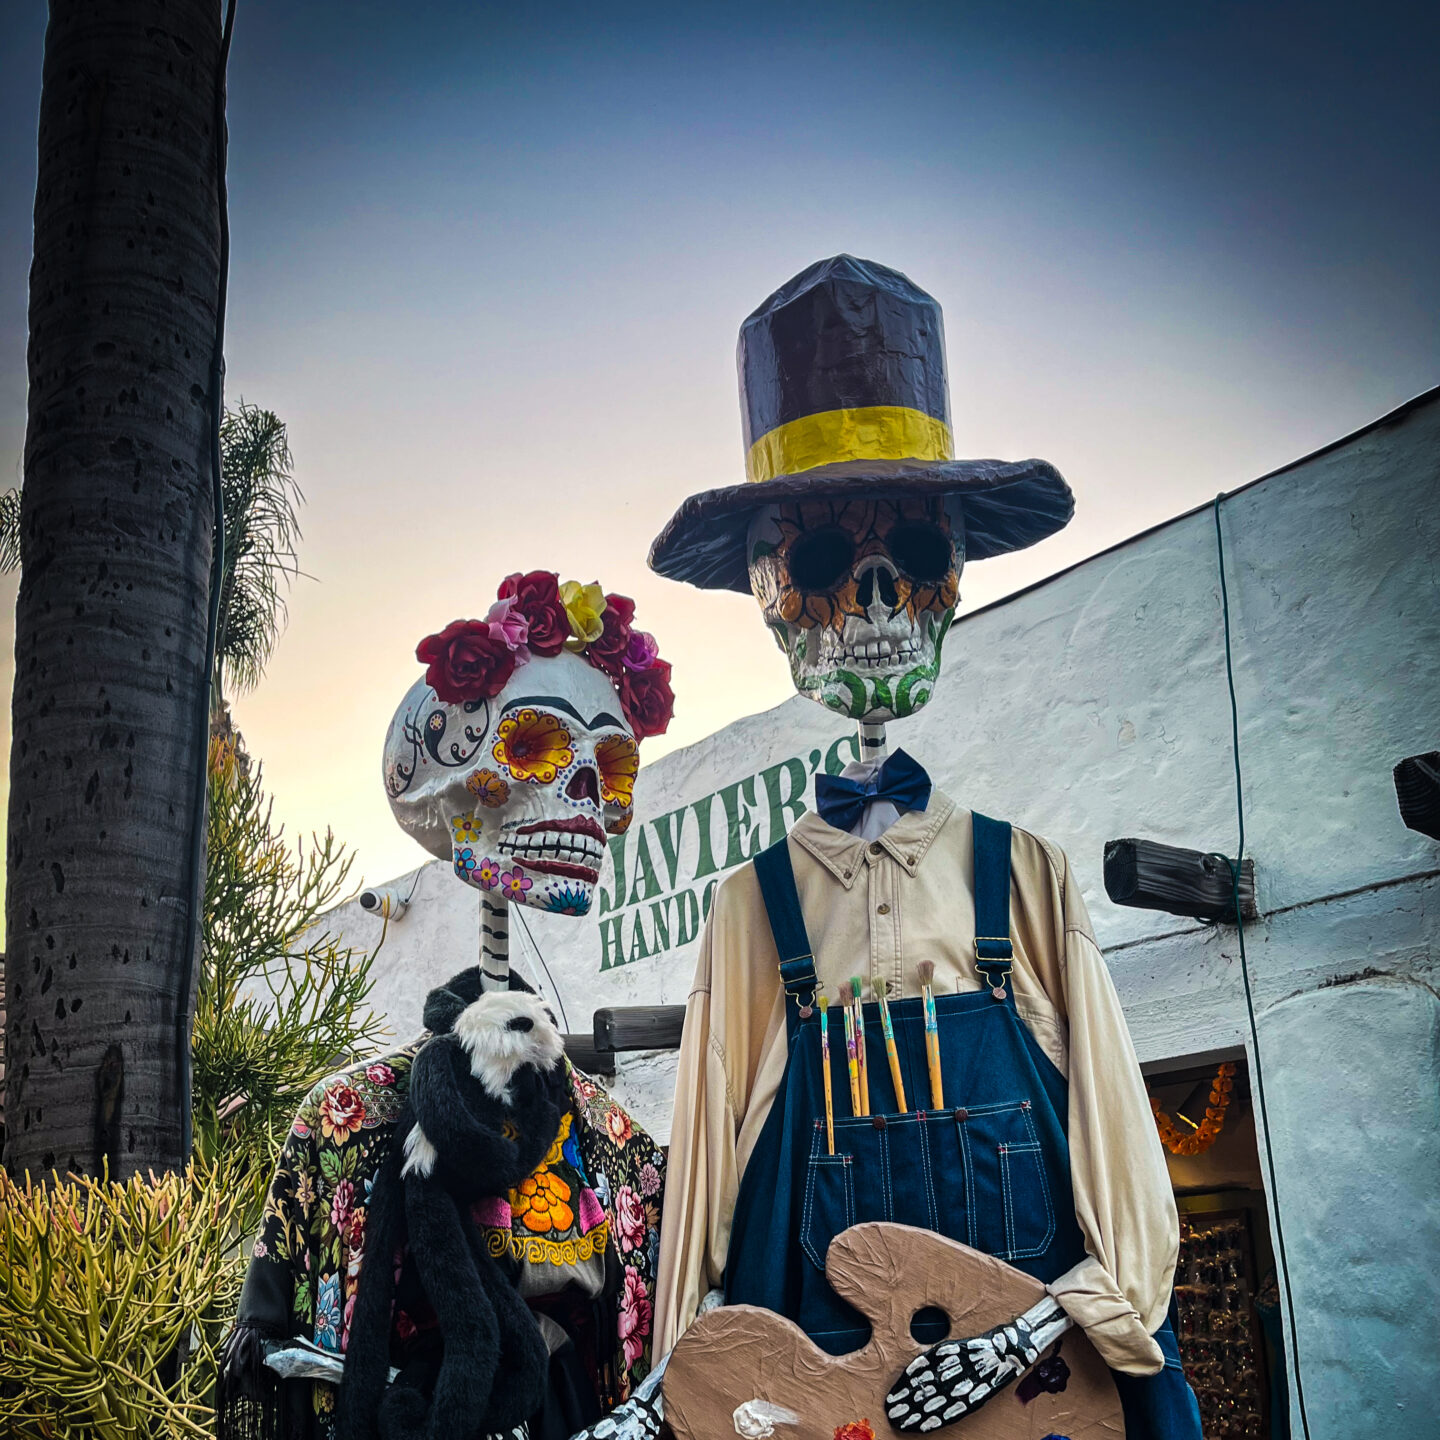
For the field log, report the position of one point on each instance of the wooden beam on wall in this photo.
(639, 1027)
(584, 1056)
(1147, 875)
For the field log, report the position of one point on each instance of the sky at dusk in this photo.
(490, 263)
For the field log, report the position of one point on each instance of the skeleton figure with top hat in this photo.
(855, 521)
(1005, 1111)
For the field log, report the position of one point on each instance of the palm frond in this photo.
(262, 531)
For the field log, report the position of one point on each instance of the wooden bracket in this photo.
(584, 1056)
(639, 1027)
(1147, 875)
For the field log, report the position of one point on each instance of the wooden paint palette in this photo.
(887, 1272)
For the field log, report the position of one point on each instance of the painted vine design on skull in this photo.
(428, 735)
(859, 594)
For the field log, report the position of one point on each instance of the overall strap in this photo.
(782, 905)
(993, 949)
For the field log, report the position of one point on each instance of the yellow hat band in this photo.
(873, 432)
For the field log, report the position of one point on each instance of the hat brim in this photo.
(1007, 505)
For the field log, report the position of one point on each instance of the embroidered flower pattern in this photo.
(636, 1314)
(488, 788)
(554, 1154)
(629, 1219)
(327, 1313)
(542, 1203)
(342, 1113)
(316, 1211)
(533, 746)
(340, 1205)
(617, 1122)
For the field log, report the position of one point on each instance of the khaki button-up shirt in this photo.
(876, 908)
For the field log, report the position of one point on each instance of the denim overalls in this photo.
(991, 1169)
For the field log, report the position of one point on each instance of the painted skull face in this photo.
(518, 791)
(859, 595)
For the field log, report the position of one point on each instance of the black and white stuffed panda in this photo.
(487, 1092)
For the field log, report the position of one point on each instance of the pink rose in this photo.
(378, 1074)
(629, 1219)
(635, 1315)
(508, 624)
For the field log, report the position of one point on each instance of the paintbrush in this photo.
(891, 1053)
(825, 1066)
(926, 970)
(851, 1059)
(860, 1045)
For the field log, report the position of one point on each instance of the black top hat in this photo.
(843, 391)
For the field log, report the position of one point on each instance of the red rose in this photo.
(608, 652)
(647, 699)
(464, 662)
(537, 598)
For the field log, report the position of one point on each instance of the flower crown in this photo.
(536, 615)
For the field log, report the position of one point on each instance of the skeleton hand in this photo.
(639, 1418)
(958, 1376)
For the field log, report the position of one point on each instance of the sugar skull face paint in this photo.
(859, 595)
(518, 791)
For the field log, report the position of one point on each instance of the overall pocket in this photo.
(1011, 1208)
(829, 1202)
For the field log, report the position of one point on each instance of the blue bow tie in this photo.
(900, 780)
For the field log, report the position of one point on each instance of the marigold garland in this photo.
(1197, 1141)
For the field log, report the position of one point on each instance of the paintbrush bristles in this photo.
(926, 971)
(856, 986)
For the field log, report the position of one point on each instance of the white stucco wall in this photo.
(1094, 706)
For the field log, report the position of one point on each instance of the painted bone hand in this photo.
(958, 1376)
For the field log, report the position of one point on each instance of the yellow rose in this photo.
(584, 605)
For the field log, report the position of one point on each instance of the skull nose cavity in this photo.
(584, 784)
(876, 582)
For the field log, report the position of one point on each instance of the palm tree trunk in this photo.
(116, 533)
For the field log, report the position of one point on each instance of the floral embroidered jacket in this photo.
(593, 1206)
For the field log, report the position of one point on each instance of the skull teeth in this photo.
(568, 849)
(871, 654)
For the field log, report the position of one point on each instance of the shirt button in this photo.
(882, 909)
(876, 848)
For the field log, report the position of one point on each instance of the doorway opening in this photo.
(1227, 1304)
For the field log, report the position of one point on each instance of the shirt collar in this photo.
(906, 841)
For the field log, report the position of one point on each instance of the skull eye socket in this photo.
(922, 551)
(819, 559)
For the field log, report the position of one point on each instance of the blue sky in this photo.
(490, 264)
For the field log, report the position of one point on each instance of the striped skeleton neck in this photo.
(494, 944)
(871, 741)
